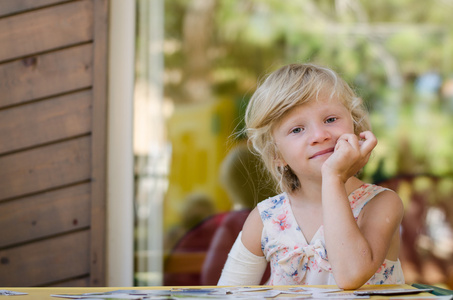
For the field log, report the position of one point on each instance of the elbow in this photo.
(354, 274)
(350, 280)
(348, 285)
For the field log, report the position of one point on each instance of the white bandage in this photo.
(242, 266)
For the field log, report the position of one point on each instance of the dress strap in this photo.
(361, 196)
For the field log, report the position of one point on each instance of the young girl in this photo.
(327, 226)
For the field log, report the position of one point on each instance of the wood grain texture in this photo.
(99, 146)
(45, 121)
(46, 29)
(53, 128)
(45, 168)
(46, 75)
(45, 261)
(17, 6)
(44, 215)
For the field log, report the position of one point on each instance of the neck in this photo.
(310, 190)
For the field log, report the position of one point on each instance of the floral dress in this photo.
(294, 261)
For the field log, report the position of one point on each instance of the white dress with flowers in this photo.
(294, 261)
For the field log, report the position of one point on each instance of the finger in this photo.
(369, 141)
(366, 135)
(342, 144)
(351, 139)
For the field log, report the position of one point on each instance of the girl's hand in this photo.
(350, 155)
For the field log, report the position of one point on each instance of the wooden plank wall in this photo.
(53, 59)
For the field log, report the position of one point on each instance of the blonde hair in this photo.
(290, 86)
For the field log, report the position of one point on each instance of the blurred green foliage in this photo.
(396, 54)
(384, 49)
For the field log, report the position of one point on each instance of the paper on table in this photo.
(142, 292)
(339, 296)
(97, 296)
(327, 293)
(11, 293)
(392, 292)
(313, 290)
(433, 297)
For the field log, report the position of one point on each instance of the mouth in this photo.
(322, 152)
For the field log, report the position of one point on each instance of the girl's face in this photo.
(307, 134)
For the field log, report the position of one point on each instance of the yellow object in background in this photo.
(201, 136)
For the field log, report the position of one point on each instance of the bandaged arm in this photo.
(242, 266)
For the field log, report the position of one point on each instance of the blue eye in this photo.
(331, 120)
(296, 130)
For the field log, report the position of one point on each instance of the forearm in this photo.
(350, 254)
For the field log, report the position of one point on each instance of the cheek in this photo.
(354, 127)
(350, 127)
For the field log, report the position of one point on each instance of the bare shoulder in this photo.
(386, 203)
(251, 232)
(390, 199)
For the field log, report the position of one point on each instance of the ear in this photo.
(280, 162)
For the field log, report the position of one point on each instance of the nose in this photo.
(319, 134)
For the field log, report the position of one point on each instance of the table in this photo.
(46, 292)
